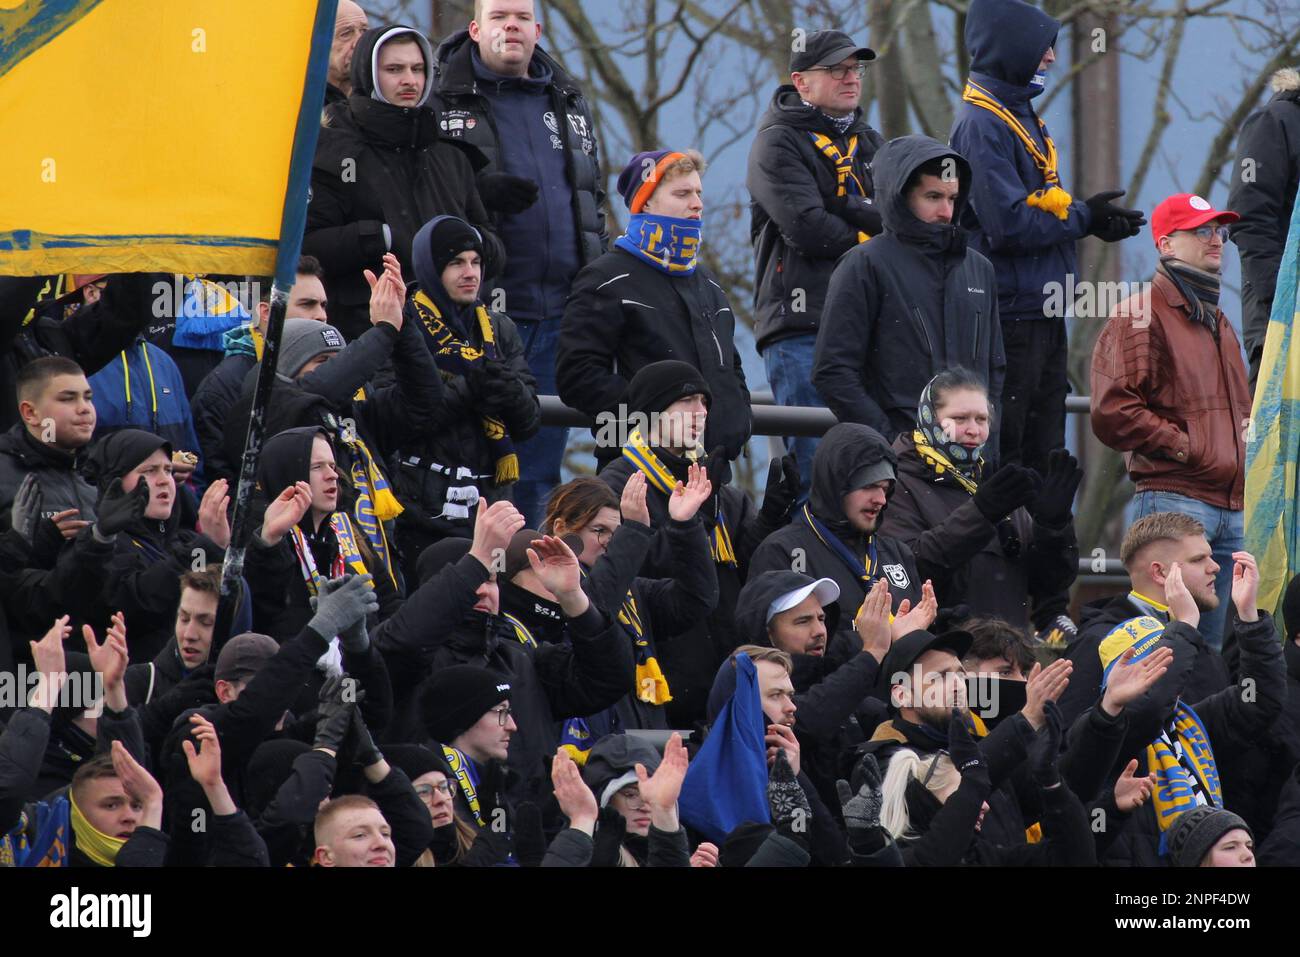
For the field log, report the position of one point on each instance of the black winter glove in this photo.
(368, 752)
(1005, 491)
(26, 511)
(782, 490)
(530, 839)
(859, 212)
(965, 751)
(501, 389)
(791, 812)
(718, 468)
(611, 828)
(503, 193)
(333, 715)
(1055, 502)
(117, 509)
(1111, 223)
(1045, 750)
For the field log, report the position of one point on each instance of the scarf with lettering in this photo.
(1199, 288)
(1051, 199)
(455, 355)
(638, 452)
(1181, 763)
(665, 242)
(467, 777)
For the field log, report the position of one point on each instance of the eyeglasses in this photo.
(841, 71)
(1206, 233)
(425, 791)
(632, 796)
(502, 714)
(603, 535)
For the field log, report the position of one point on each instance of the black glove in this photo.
(368, 752)
(965, 751)
(1005, 491)
(500, 388)
(791, 812)
(343, 602)
(530, 839)
(333, 715)
(611, 828)
(26, 511)
(117, 510)
(1055, 502)
(1045, 750)
(782, 490)
(1111, 223)
(859, 212)
(718, 468)
(862, 811)
(503, 193)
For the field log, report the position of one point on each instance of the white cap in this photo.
(824, 588)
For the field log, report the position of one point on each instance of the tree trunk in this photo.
(891, 84)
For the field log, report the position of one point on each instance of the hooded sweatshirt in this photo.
(1029, 247)
(907, 305)
(381, 171)
(822, 541)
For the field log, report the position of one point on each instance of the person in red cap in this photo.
(1169, 388)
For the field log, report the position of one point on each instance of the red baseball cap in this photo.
(1185, 211)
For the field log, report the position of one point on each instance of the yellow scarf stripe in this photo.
(939, 462)
(1053, 199)
(638, 452)
(94, 843)
(1173, 792)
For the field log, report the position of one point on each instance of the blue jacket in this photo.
(1028, 247)
(164, 390)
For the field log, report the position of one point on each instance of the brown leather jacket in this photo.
(1171, 398)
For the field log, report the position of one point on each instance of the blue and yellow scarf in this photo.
(864, 568)
(661, 478)
(455, 356)
(846, 180)
(348, 557)
(375, 501)
(667, 243)
(467, 777)
(1178, 783)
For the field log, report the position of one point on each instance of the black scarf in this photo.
(1199, 288)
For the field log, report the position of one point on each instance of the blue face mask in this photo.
(1039, 81)
(668, 243)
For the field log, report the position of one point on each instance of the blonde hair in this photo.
(692, 161)
(905, 765)
(759, 653)
(1156, 527)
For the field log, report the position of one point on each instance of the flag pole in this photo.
(292, 220)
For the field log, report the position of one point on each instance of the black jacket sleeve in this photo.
(405, 409)
(1092, 748)
(939, 549)
(1260, 202)
(236, 843)
(668, 848)
(592, 671)
(676, 604)
(1067, 839)
(409, 638)
(370, 671)
(298, 799)
(589, 332)
(95, 334)
(146, 847)
(339, 379)
(828, 704)
(571, 848)
(121, 726)
(951, 831)
(1236, 716)
(849, 318)
(22, 748)
(343, 245)
(1052, 560)
(405, 814)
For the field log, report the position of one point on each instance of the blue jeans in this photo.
(789, 365)
(541, 456)
(1224, 530)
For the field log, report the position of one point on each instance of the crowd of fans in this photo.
(439, 655)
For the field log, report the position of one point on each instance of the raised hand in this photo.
(782, 489)
(1245, 585)
(68, 523)
(51, 665)
(139, 785)
(286, 511)
(387, 293)
(632, 506)
(661, 790)
(781, 739)
(214, 520)
(1130, 680)
(1130, 791)
(1055, 501)
(872, 623)
(576, 801)
(494, 526)
(687, 499)
(205, 762)
(555, 564)
(118, 510)
(919, 618)
(110, 660)
(1044, 685)
(342, 603)
(1182, 606)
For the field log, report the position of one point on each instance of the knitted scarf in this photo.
(375, 501)
(454, 356)
(1181, 762)
(638, 452)
(1199, 288)
(347, 556)
(467, 777)
(669, 244)
(1053, 199)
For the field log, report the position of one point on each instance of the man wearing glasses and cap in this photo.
(811, 201)
(1169, 388)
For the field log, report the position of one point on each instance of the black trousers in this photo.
(1032, 416)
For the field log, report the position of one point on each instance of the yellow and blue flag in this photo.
(1273, 439)
(148, 136)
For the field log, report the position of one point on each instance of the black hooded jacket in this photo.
(844, 450)
(379, 164)
(58, 473)
(796, 222)
(906, 305)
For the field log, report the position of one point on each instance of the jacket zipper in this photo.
(929, 346)
(721, 363)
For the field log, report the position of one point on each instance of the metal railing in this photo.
(773, 419)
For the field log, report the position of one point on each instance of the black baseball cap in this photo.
(904, 652)
(827, 48)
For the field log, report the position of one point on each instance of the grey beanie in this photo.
(1196, 831)
(303, 340)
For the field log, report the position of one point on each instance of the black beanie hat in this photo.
(439, 555)
(438, 242)
(451, 700)
(1196, 831)
(415, 760)
(660, 384)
